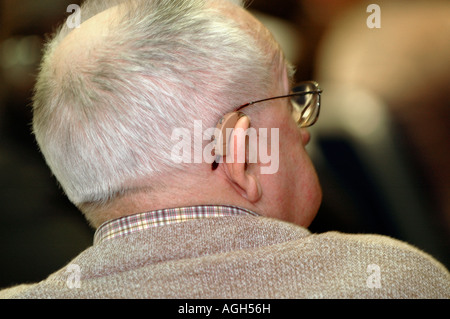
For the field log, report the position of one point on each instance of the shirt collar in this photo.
(134, 223)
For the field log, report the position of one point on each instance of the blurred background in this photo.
(381, 146)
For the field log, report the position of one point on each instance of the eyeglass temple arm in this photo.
(279, 97)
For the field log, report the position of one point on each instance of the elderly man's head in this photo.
(111, 93)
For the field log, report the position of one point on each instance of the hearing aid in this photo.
(223, 132)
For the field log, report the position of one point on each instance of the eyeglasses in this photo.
(305, 100)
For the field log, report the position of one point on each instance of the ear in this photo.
(243, 180)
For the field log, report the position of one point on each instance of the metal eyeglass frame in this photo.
(298, 91)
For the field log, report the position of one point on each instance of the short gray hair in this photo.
(106, 123)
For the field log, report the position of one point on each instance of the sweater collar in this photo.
(142, 221)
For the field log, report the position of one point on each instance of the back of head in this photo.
(110, 93)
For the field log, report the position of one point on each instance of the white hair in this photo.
(105, 123)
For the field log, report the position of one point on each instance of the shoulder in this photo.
(14, 292)
(372, 245)
(390, 267)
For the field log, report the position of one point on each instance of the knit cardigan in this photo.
(244, 257)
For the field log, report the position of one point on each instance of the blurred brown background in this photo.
(380, 147)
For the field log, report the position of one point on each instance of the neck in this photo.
(183, 192)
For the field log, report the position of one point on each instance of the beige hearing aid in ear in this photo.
(223, 132)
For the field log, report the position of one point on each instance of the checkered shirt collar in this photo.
(134, 223)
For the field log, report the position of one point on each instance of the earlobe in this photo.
(253, 191)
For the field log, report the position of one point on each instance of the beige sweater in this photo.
(244, 257)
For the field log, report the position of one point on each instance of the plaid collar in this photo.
(134, 223)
